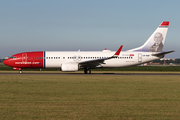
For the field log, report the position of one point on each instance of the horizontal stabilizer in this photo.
(162, 53)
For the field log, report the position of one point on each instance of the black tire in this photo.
(86, 71)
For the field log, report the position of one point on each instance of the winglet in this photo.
(118, 51)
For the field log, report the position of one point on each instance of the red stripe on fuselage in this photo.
(27, 60)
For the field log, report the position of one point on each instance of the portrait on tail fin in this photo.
(155, 42)
(158, 45)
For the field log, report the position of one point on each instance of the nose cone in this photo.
(6, 62)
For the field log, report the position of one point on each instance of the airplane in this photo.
(68, 61)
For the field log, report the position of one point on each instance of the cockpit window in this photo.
(12, 57)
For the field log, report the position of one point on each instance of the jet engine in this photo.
(69, 67)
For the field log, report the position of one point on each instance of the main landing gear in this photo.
(20, 71)
(87, 71)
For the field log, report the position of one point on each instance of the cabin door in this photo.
(24, 57)
(139, 57)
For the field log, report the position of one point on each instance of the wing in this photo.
(96, 62)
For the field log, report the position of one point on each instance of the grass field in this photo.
(132, 68)
(89, 97)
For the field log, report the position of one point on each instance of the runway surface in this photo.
(93, 74)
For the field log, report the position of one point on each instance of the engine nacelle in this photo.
(71, 67)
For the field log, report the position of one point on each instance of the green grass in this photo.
(132, 68)
(89, 97)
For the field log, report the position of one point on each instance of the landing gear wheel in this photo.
(87, 71)
(20, 71)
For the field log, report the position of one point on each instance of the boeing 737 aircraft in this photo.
(73, 61)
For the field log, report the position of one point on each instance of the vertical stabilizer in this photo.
(156, 41)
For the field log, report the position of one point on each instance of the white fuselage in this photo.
(54, 59)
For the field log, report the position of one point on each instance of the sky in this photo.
(88, 25)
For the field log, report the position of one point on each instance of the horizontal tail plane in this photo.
(162, 53)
